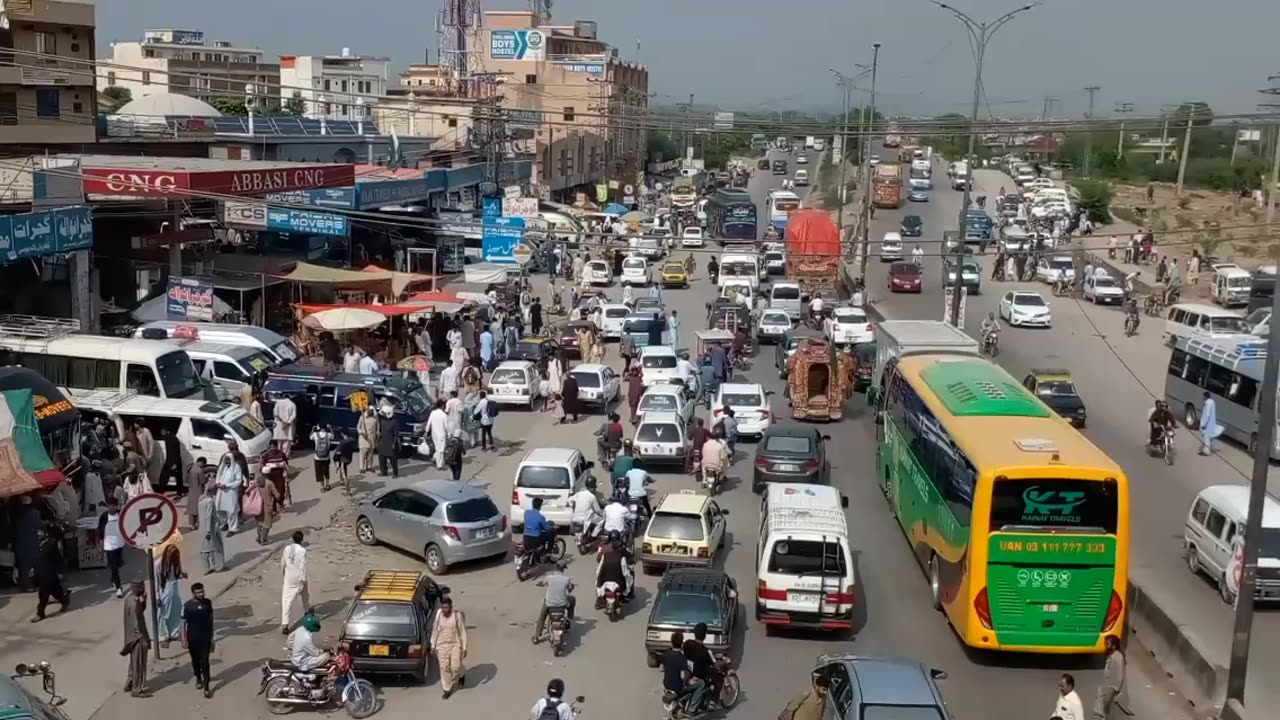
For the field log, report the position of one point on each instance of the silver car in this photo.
(444, 521)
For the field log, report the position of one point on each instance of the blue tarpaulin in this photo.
(616, 209)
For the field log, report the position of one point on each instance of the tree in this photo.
(230, 106)
(660, 147)
(295, 105)
(1095, 196)
(117, 96)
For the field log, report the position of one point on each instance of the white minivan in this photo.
(279, 348)
(1197, 320)
(805, 573)
(553, 474)
(229, 367)
(1214, 524)
(785, 295)
(204, 429)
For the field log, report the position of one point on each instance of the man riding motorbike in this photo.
(1160, 420)
(815, 308)
(702, 664)
(638, 482)
(715, 456)
(990, 328)
(614, 566)
(917, 255)
(303, 651)
(587, 512)
(538, 530)
(1131, 313)
(559, 595)
(617, 517)
(622, 465)
(713, 270)
(697, 438)
(609, 438)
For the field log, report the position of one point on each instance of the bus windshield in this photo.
(178, 377)
(1084, 506)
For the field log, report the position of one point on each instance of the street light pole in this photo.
(1088, 135)
(980, 33)
(1122, 108)
(866, 164)
(845, 82)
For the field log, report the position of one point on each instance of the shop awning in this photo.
(387, 310)
(52, 409)
(375, 280)
(24, 464)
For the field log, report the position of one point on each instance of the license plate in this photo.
(805, 599)
(484, 533)
(787, 467)
(379, 650)
(1052, 607)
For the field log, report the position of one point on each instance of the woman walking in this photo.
(229, 481)
(169, 576)
(211, 543)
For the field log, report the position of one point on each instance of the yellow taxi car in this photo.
(674, 274)
(687, 528)
(388, 628)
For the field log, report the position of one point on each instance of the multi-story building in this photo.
(412, 113)
(47, 93)
(182, 61)
(340, 87)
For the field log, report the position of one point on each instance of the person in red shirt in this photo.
(699, 435)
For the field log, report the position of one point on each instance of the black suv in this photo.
(911, 226)
(779, 167)
(688, 596)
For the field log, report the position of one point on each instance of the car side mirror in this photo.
(826, 438)
(844, 501)
(724, 512)
(580, 699)
(938, 674)
(591, 464)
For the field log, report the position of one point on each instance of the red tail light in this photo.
(515, 497)
(415, 651)
(844, 598)
(452, 532)
(982, 606)
(811, 464)
(503, 528)
(1113, 611)
(761, 462)
(764, 593)
(764, 414)
(719, 411)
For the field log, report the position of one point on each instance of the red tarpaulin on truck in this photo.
(811, 234)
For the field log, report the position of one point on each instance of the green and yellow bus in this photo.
(1021, 523)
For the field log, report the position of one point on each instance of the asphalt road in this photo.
(1118, 377)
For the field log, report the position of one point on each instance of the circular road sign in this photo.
(522, 254)
(627, 189)
(148, 520)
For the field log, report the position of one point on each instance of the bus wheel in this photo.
(1191, 417)
(935, 582)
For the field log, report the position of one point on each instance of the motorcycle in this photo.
(693, 706)
(991, 342)
(1163, 446)
(555, 629)
(695, 459)
(612, 601)
(548, 553)
(286, 687)
(1131, 324)
(587, 541)
(711, 480)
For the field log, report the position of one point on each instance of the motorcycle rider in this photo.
(697, 438)
(622, 465)
(609, 436)
(1131, 311)
(587, 513)
(815, 307)
(990, 326)
(615, 566)
(917, 255)
(617, 517)
(538, 530)
(303, 651)
(552, 706)
(702, 663)
(559, 594)
(715, 456)
(713, 270)
(638, 482)
(1161, 421)
(727, 428)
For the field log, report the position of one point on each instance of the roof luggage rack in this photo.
(37, 326)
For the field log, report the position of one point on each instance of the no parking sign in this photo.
(148, 520)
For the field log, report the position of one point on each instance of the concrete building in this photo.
(425, 79)
(410, 113)
(47, 94)
(182, 61)
(338, 87)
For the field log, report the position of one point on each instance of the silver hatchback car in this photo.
(864, 688)
(444, 521)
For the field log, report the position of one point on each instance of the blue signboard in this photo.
(306, 223)
(517, 45)
(501, 236)
(491, 206)
(37, 234)
(188, 299)
(377, 193)
(343, 198)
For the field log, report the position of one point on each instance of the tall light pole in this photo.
(845, 82)
(980, 33)
(866, 163)
(1088, 133)
(1122, 108)
(1185, 151)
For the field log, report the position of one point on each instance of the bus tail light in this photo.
(982, 606)
(1113, 611)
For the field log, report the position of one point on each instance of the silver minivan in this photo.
(786, 296)
(1215, 523)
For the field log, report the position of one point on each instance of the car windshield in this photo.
(972, 268)
(507, 375)
(901, 712)
(287, 351)
(587, 379)
(891, 240)
(1032, 300)
(598, 266)
(774, 256)
(663, 362)
(1104, 281)
(675, 526)
(687, 609)
(1051, 504)
(673, 268)
(1055, 387)
(786, 292)
(741, 399)
(788, 445)
(910, 220)
(807, 557)
(255, 363)
(1228, 325)
(471, 510)
(178, 376)
(904, 269)
(850, 315)
(658, 433)
(1061, 264)
(775, 319)
(634, 264)
(244, 425)
(616, 312)
(658, 401)
(383, 620)
(543, 477)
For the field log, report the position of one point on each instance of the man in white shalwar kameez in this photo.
(294, 595)
(285, 415)
(438, 426)
(449, 379)
(453, 409)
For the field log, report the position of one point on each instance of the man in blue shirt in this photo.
(638, 488)
(537, 528)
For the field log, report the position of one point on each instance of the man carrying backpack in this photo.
(486, 410)
(553, 706)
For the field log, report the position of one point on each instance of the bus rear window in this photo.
(1055, 504)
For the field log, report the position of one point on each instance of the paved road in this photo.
(606, 662)
(1118, 378)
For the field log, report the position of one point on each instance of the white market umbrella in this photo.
(339, 319)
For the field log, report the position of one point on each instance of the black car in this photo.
(763, 164)
(685, 597)
(779, 167)
(723, 314)
(790, 454)
(911, 226)
(1055, 389)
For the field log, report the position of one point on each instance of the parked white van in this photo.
(805, 572)
(1231, 285)
(229, 367)
(279, 348)
(204, 429)
(1215, 522)
(1197, 320)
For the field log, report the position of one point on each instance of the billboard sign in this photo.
(459, 223)
(307, 223)
(189, 299)
(344, 198)
(377, 193)
(491, 206)
(501, 237)
(520, 207)
(517, 45)
(37, 234)
(251, 215)
(722, 121)
(594, 69)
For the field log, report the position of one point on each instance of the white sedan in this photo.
(514, 382)
(613, 317)
(598, 385)
(635, 271)
(599, 273)
(1101, 288)
(691, 237)
(750, 404)
(666, 399)
(773, 326)
(848, 326)
(891, 247)
(1057, 267)
(1025, 309)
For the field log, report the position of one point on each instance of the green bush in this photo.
(1095, 196)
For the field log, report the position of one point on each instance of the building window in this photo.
(46, 43)
(344, 86)
(146, 77)
(8, 108)
(531, 79)
(148, 52)
(452, 122)
(111, 79)
(48, 102)
(327, 85)
(568, 113)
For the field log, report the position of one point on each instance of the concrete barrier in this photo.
(1196, 676)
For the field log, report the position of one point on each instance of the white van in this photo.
(1215, 521)
(786, 296)
(1196, 320)
(802, 177)
(279, 348)
(553, 474)
(229, 367)
(1231, 285)
(805, 566)
(205, 429)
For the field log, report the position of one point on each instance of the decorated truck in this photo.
(887, 185)
(819, 380)
(813, 252)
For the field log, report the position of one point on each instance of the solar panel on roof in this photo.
(288, 126)
(342, 127)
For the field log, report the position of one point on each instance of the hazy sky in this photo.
(774, 54)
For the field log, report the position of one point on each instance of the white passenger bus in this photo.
(1230, 369)
(55, 348)
(779, 204)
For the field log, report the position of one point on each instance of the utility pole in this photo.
(689, 127)
(1088, 145)
(1186, 149)
(846, 157)
(866, 164)
(980, 33)
(1122, 108)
